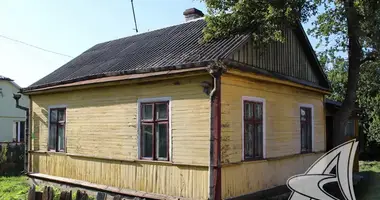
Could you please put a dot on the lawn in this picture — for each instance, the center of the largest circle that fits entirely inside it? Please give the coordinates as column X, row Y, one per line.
column 16, row 188
column 369, row 166
column 13, row 188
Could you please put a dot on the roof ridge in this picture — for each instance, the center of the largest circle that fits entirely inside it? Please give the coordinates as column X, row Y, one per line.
column 150, row 31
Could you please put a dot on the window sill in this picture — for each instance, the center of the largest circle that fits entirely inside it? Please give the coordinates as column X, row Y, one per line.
column 255, row 160
column 56, row 152
column 155, row 161
column 272, row 158
column 311, row 152
column 295, row 155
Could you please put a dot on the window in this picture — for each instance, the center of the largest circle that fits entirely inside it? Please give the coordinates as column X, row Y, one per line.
column 306, row 129
column 253, row 130
column 18, row 131
column 57, row 124
column 154, row 130
column 350, row 128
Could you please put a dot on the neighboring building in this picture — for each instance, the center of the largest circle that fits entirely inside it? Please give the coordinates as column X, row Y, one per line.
column 12, row 119
column 161, row 114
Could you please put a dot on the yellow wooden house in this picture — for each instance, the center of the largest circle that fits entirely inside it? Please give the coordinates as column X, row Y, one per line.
column 162, row 115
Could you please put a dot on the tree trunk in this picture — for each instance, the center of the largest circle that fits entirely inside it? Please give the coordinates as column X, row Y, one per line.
column 354, row 57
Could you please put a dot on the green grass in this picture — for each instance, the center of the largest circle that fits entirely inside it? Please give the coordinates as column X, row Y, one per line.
column 371, row 166
column 13, row 188
column 16, row 188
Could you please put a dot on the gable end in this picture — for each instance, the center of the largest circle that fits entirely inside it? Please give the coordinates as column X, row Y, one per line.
column 292, row 58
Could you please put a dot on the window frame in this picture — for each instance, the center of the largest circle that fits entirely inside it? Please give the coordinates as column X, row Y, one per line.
column 17, row 131
column 263, row 102
column 57, row 107
column 167, row 121
column 311, row 106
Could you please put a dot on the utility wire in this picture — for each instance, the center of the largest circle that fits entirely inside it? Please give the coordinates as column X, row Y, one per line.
column 30, row 45
column 134, row 16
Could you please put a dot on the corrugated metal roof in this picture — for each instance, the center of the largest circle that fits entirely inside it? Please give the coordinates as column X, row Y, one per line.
column 152, row 51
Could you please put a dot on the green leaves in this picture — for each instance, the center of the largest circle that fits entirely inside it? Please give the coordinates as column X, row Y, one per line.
column 264, row 19
column 338, row 77
column 369, row 100
column 368, row 94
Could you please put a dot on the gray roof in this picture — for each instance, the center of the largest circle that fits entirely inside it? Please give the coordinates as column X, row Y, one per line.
column 333, row 102
column 162, row 49
column 5, row 78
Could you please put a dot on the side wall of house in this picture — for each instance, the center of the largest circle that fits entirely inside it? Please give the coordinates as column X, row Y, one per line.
column 281, row 133
column 102, row 137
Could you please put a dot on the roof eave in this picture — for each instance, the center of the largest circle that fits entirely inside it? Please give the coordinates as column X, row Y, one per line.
column 116, row 78
column 256, row 70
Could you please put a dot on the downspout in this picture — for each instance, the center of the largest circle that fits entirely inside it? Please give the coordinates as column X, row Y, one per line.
column 26, row 138
column 215, row 71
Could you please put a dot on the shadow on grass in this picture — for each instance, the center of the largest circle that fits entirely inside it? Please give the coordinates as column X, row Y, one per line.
column 369, row 187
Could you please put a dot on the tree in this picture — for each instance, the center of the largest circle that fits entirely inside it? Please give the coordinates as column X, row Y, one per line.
column 346, row 27
column 368, row 94
column 369, row 100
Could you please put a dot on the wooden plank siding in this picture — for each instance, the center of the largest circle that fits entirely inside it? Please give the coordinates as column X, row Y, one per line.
column 152, row 177
column 282, row 117
column 286, row 58
column 102, row 122
column 253, row 176
column 282, row 133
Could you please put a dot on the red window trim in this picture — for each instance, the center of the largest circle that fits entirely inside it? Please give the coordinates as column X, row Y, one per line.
column 57, row 123
column 254, row 121
column 154, row 122
column 308, row 124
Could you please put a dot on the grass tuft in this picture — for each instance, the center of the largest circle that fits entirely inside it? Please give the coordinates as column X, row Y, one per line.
column 373, row 166
column 13, row 188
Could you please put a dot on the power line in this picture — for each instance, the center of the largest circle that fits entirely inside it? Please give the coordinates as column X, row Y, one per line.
column 30, row 45
column 134, row 16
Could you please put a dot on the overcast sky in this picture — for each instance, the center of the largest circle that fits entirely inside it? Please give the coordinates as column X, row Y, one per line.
column 70, row 27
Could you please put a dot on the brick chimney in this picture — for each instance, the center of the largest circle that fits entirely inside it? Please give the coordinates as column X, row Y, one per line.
column 192, row 13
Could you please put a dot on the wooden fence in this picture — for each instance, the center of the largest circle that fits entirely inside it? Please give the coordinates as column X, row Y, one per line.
column 11, row 159
column 48, row 194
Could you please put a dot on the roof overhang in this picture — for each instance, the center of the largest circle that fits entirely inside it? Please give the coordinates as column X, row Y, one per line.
column 116, row 80
column 282, row 79
column 111, row 79
column 333, row 106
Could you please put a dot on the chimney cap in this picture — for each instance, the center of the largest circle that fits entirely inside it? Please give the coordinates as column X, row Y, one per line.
column 193, row 11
